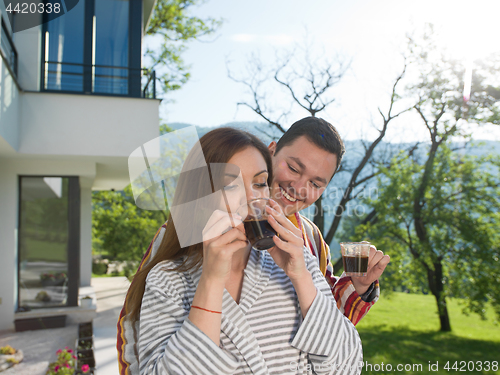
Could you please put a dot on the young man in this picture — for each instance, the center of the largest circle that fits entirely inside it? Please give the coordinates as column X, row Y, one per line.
column 304, row 161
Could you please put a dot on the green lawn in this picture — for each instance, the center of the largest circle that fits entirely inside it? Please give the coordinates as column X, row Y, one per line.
column 403, row 329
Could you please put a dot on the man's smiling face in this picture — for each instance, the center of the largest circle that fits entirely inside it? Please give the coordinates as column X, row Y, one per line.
column 302, row 170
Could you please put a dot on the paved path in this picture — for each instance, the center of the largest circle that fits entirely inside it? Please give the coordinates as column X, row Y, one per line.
column 110, row 293
column 39, row 347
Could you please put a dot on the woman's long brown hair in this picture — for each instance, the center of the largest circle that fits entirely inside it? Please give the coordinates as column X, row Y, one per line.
column 218, row 146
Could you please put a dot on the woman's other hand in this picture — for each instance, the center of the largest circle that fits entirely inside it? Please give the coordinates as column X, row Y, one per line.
column 288, row 253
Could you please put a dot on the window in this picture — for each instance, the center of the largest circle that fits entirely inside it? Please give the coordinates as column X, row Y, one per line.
column 63, row 63
column 48, row 242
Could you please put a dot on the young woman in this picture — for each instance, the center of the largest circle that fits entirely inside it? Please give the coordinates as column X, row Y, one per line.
column 222, row 307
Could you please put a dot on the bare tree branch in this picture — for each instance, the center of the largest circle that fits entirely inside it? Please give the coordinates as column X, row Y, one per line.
column 259, row 112
column 367, row 156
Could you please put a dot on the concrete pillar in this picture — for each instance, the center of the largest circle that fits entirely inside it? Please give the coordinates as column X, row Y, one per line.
column 8, row 244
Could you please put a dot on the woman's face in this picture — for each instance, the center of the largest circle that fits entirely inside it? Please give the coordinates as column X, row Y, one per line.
column 251, row 182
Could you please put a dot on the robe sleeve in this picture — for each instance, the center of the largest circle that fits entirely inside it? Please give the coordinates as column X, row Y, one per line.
column 326, row 335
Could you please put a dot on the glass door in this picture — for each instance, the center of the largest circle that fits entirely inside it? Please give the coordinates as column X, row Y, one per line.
column 45, row 237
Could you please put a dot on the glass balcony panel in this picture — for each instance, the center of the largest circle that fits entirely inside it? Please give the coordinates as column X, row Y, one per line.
column 64, row 51
column 111, row 46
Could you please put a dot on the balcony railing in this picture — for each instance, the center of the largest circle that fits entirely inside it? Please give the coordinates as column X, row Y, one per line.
column 99, row 79
column 8, row 49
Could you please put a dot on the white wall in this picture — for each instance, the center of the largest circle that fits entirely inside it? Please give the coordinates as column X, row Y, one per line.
column 29, row 46
column 59, row 124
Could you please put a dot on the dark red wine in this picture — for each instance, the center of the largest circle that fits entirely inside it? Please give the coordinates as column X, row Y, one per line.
column 355, row 264
column 260, row 233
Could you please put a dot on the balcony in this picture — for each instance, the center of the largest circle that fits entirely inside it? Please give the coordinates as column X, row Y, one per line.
column 57, row 123
column 68, row 77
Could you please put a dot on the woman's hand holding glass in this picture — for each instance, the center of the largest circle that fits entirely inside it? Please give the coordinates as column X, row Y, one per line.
column 221, row 239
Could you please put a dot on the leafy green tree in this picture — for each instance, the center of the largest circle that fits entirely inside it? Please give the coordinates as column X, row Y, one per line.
column 461, row 217
column 443, row 206
column 120, row 230
column 175, row 26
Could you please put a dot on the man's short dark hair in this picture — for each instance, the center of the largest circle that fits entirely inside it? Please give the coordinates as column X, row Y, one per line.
column 318, row 131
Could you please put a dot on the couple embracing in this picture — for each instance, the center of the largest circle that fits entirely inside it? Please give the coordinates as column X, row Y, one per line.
column 222, row 307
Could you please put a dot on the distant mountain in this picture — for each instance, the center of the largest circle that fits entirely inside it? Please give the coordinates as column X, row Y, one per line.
column 267, row 134
column 355, row 150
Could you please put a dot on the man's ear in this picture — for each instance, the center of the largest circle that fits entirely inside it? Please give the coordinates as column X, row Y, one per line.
column 272, row 148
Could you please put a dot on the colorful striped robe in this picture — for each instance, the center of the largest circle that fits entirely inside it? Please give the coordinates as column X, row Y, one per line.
column 263, row 334
column 349, row 302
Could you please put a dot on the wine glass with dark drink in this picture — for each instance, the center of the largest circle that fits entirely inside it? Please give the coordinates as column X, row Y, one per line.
column 258, row 230
column 355, row 257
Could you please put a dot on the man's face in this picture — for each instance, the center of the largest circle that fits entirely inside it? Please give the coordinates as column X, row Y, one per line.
column 301, row 171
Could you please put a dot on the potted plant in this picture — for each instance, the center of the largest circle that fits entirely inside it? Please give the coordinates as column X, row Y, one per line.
column 85, row 363
column 86, row 302
column 85, row 343
column 85, row 360
column 86, row 356
column 85, row 330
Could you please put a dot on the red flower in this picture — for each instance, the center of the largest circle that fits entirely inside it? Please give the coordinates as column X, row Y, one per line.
column 85, row 368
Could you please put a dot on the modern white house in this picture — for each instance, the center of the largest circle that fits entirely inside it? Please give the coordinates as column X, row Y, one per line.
column 74, row 104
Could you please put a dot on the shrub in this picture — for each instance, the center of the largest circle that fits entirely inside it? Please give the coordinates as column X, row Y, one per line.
column 99, row 268
column 7, row 350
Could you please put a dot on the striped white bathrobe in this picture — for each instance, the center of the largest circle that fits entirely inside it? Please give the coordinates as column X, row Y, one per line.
column 263, row 334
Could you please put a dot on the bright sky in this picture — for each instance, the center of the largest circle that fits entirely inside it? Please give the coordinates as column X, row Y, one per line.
column 371, row 33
